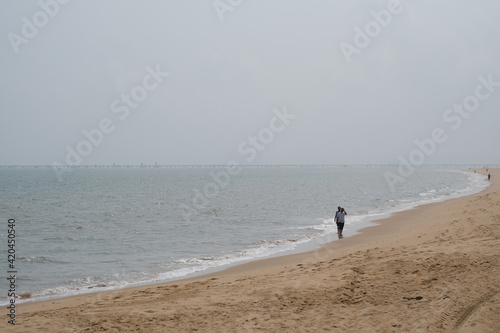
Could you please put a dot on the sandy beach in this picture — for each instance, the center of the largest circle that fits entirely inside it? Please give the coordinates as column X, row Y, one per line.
column 430, row 269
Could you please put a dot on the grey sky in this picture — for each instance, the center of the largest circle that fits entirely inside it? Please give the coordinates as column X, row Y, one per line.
column 227, row 76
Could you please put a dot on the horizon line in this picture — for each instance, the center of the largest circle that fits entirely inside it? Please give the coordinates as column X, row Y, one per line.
column 86, row 166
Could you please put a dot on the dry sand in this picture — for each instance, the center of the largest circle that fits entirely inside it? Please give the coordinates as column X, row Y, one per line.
column 445, row 253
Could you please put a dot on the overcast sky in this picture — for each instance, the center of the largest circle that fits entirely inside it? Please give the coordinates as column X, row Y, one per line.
column 256, row 81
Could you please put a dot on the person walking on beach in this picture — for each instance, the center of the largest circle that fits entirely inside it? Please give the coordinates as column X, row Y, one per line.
column 335, row 218
column 337, row 213
column 340, row 219
column 489, row 176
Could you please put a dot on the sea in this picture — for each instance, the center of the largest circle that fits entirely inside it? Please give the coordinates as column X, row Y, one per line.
column 105, row 228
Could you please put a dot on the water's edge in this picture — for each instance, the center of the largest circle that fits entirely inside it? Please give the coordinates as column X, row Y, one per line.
column 477, row 183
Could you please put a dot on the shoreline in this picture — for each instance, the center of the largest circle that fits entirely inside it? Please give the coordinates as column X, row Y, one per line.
column 311, row 245
column 395, row 230
column 375, row 229
column 319, row 244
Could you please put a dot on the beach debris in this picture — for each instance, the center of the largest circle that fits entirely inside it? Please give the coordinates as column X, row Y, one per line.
column 25, row 295
column 418, row 298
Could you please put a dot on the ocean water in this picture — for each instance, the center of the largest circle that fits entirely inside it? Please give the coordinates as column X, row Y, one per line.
column 109, row 228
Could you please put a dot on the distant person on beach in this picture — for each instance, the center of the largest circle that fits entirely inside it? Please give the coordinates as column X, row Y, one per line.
column 489, row 176
column 340, row 219
column 337, row 213
column 335, row 218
